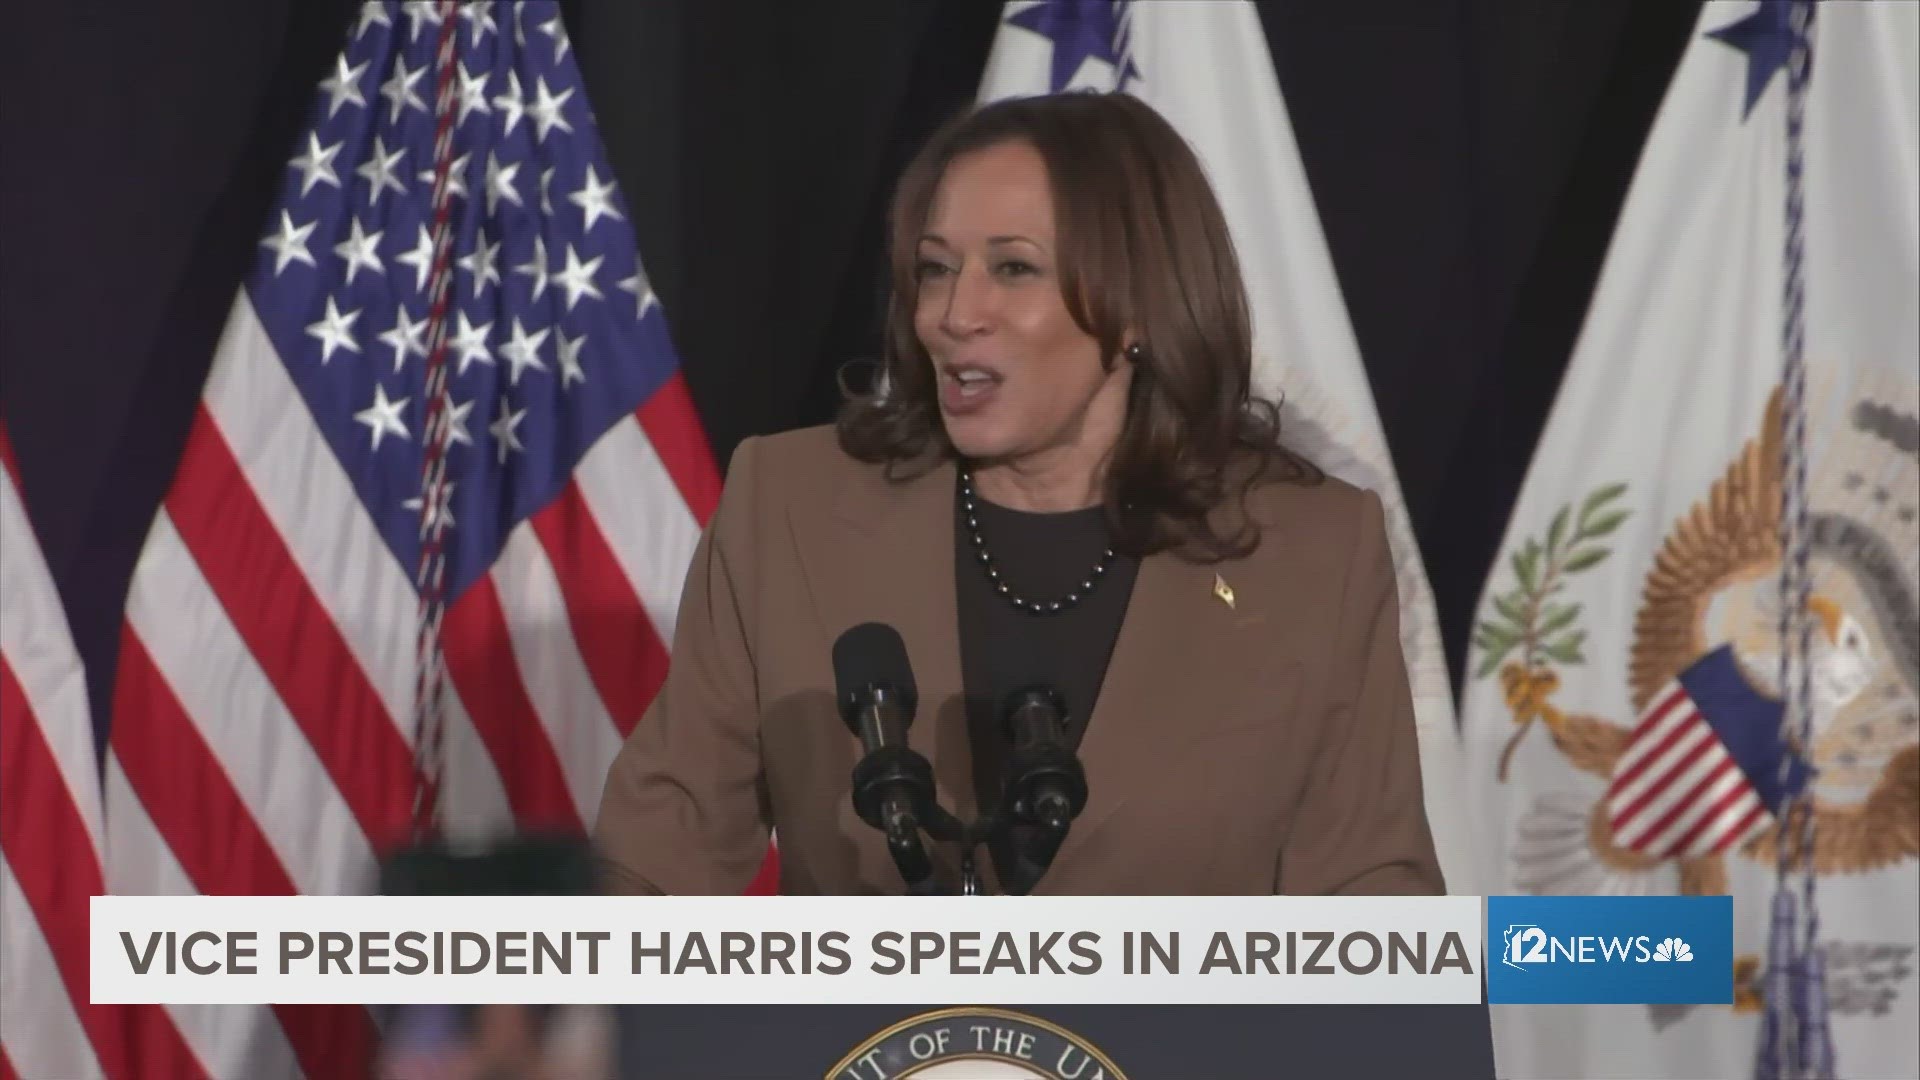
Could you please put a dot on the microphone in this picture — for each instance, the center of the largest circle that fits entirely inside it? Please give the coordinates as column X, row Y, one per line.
column 892, row 784
column 1046, row 783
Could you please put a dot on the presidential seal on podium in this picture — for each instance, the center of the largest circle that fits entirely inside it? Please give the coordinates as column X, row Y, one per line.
column 975, row 1044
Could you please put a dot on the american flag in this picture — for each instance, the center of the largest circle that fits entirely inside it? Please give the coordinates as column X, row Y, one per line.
column 422, row 555
column 1701, row 770
column 51, row 830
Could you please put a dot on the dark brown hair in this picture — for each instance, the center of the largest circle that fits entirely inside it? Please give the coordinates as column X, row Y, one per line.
column 1144, row 248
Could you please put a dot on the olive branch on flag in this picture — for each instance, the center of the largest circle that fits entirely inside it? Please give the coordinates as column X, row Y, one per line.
column 1527, row 618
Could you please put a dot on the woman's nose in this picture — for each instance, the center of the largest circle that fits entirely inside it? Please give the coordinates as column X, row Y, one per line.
column 970, row 303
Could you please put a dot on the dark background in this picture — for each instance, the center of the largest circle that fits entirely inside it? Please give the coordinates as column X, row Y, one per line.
column 1220, row 1042
column 1468, row 158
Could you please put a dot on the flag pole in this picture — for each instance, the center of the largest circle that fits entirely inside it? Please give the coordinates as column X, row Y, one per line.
column 1796, row 1038
column 430, row 572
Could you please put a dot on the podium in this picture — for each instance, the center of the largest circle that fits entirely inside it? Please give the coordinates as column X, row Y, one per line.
column 1142, row 1042
column 1038, row 1042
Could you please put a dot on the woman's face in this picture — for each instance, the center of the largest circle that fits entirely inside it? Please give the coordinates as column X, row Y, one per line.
column 1017, row 376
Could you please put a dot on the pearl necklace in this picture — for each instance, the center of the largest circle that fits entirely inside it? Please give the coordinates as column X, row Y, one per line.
column 1031, row 607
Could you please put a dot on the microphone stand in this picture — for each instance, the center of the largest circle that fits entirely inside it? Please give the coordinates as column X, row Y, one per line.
column 969, row 835
column 893, row 792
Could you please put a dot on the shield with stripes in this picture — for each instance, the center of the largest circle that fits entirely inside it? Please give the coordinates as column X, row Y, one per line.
column 1704, row 768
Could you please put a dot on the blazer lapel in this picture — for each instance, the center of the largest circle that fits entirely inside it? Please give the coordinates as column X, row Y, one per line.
column 1190, row 661
column 884, row 553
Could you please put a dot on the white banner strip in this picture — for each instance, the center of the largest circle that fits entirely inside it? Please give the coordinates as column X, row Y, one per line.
column 983, row 950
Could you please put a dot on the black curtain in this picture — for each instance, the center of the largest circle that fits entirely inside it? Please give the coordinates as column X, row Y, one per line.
column 1468, row 158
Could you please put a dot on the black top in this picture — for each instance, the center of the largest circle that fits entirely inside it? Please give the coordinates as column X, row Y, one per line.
column 1043, row 557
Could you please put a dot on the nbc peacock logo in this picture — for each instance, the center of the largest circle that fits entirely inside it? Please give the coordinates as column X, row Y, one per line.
column 1673, row 950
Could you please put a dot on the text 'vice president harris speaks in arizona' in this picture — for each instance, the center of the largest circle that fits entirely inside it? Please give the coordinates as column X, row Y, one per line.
column 1058, row 482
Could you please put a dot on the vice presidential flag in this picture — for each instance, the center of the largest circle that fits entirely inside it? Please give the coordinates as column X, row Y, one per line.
column 422, row 556
column 1625, row 698
column 1204, row 66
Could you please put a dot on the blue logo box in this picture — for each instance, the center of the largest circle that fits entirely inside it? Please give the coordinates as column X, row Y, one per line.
column 1609, row 950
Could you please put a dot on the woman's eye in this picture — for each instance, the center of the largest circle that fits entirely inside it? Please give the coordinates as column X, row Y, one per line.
column 929, row 267
column 1017, row 268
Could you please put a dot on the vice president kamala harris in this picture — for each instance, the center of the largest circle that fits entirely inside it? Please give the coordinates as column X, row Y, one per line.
column 1062, row 471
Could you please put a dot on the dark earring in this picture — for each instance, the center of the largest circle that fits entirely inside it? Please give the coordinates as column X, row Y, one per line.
column 1135, row 353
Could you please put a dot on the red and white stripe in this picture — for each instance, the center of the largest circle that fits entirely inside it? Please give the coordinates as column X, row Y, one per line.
column 50, row 834
column 1676, row 792
column 52, row 839
column 261, row 725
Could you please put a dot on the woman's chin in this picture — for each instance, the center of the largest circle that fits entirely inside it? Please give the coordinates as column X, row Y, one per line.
column 977, row 440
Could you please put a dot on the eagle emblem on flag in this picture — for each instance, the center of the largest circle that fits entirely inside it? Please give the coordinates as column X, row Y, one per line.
column 1700, row 775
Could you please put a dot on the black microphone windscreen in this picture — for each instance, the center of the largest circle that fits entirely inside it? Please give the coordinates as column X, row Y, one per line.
column 1035, row 712
column 871, row 654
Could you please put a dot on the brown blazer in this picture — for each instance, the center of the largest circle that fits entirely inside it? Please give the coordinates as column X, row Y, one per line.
column 1262, row 746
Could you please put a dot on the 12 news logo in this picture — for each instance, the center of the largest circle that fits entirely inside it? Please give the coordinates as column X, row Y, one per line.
column 1609, row 950
column 1526, row 943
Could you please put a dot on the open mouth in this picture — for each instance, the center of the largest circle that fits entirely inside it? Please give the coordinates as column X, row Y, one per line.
column 970, row 382
column 967, row 388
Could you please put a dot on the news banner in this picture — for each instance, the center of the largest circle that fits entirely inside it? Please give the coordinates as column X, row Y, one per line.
column 1268, row 950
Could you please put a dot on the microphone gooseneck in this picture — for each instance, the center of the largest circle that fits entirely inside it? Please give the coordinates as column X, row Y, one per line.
column 892, row 783
column 1045, row 782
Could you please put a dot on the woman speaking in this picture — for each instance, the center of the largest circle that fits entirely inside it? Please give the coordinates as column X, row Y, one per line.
column 1061, row 478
